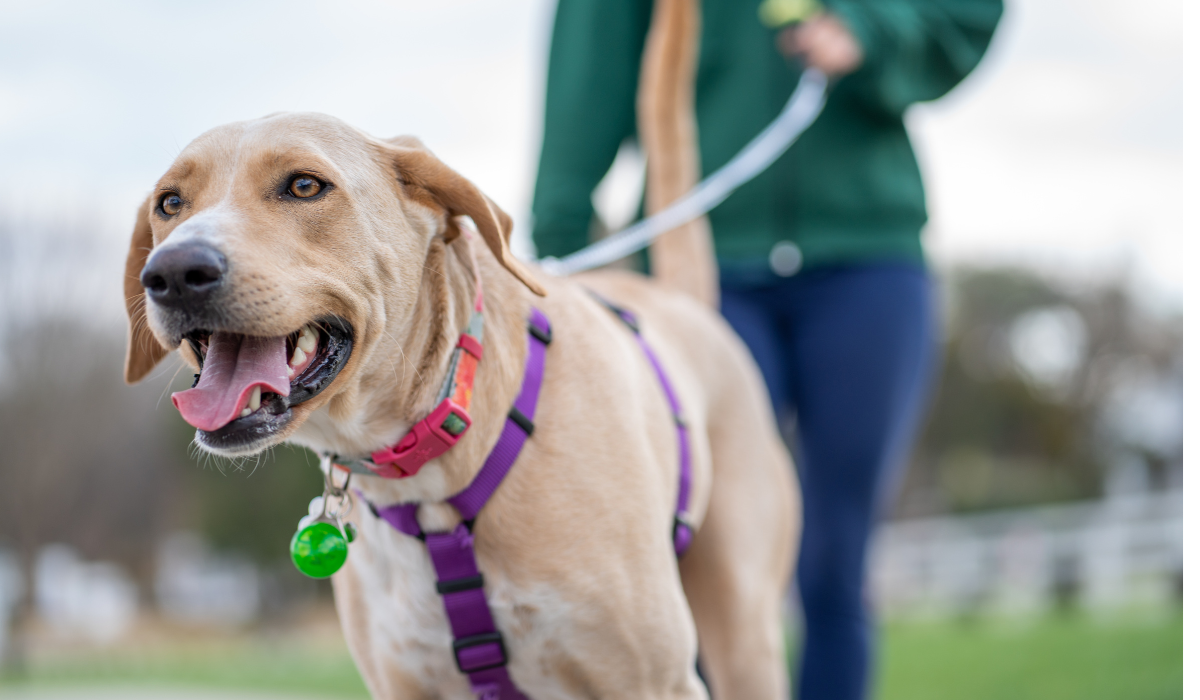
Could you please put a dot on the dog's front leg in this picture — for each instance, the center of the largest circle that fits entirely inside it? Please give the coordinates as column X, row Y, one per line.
column 392, row 619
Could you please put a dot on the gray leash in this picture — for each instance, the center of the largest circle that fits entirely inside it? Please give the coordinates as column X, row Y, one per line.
column 798, row 114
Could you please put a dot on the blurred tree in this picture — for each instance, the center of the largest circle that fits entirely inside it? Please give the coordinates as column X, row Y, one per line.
column 252, row 507
column 1031, row 372
column 86, row 460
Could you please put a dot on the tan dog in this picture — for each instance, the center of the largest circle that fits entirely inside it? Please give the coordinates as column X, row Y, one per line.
column 312, row 222
column 329, row 269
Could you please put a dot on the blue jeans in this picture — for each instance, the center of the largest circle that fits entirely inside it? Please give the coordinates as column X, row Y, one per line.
column 849, row 351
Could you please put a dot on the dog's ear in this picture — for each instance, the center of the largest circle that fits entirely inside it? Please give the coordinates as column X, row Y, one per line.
column 143, row 350
column 419, row 168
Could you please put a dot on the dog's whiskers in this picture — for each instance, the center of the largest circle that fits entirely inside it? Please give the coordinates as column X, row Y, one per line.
column 168, row 386
column 404, row 357
column 437, row 271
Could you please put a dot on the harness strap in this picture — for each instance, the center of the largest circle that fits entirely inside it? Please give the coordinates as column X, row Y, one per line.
column 478, row 646
column 471, row 500
column 681, row 531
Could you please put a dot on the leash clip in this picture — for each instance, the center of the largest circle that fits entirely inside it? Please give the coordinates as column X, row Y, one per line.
column 343, row 504
column 321, row 543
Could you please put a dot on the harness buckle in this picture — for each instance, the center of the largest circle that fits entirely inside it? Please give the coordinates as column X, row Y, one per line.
column 458, row 585
column 682, row 535
column 483, row 659
column 428, row 439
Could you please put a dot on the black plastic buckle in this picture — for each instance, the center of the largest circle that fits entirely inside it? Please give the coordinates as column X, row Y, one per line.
column 691, row 533
column 479, row 640
column 622, row 315
column 521, row 420
column 543, row 335
column 458, row 585
column 680, row 522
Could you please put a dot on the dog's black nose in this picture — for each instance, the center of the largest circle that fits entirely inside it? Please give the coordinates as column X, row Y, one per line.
column 183, row 276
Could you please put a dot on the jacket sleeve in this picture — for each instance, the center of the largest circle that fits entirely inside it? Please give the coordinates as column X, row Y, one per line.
column 591, row 93
column 915, row 50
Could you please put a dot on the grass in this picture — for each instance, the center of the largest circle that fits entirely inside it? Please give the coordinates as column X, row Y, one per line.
column 1058, row 658
column 290, row 667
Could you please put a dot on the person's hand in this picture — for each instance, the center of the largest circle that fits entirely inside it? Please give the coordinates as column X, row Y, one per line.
column 824, row 43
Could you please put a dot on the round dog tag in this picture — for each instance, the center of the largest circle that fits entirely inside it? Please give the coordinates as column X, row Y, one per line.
column 319, row 549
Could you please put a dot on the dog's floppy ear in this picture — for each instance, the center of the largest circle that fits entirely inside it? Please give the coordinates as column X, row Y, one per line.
column 143, row 350
column 420, row 168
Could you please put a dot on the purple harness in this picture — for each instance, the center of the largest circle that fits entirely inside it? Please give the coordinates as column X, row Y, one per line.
column 478, row 646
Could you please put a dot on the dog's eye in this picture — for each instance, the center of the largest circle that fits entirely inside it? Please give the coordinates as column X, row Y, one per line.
column 304, row 186
column 170, row 204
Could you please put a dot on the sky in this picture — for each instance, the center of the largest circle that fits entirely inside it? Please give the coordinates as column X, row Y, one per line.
column 1062, row 151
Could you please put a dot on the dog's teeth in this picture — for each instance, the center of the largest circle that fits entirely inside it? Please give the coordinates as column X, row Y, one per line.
column 254, row 402
column 307, row 340
column 306, row 344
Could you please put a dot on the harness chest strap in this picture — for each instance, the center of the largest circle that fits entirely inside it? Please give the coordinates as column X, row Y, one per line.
column 479, row 649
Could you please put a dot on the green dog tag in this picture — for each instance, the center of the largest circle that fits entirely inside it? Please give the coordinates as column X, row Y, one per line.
column 319, row 549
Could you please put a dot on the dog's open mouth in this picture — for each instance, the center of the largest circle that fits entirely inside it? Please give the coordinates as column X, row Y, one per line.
column 248, row 384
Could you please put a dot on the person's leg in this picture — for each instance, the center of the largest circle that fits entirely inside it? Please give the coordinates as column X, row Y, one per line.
column 861, row 355
column 747, row 310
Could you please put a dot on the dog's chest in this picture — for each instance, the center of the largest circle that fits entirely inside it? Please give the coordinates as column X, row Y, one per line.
column 408, row 631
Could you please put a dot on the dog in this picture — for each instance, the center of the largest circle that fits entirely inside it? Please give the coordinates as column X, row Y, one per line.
column 318, row 278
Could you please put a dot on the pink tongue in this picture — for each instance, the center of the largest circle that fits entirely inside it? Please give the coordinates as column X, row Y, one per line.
column 235, row 364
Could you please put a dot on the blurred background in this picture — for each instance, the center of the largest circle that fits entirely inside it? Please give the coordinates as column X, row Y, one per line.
column 1035, row 548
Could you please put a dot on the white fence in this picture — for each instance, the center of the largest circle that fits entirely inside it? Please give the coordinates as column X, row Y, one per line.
column 99, row 601
column 1117, row 553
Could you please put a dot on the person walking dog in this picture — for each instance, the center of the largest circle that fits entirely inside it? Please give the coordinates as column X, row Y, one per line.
column 821, row 266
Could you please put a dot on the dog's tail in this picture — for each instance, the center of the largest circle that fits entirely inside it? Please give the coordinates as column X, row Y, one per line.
column 666, row 111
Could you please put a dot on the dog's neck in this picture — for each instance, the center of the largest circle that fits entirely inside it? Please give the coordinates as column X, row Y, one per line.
column 408, row 365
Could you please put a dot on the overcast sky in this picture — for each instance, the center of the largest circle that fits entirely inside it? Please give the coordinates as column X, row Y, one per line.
column 1063, row 150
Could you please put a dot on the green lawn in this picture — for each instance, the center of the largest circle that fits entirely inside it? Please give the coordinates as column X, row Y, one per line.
column 290, row 667
column 1065, row 658
column 1054, row 659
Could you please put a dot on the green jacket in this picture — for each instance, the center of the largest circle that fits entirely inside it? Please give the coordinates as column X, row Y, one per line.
column 848, row 189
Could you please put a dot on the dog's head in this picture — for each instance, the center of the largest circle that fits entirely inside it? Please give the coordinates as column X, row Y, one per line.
column 272, row 253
